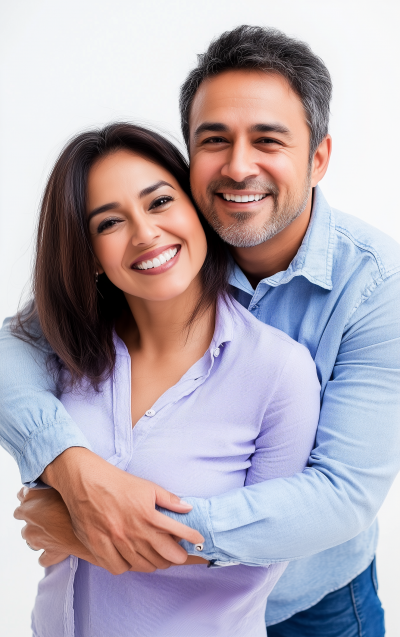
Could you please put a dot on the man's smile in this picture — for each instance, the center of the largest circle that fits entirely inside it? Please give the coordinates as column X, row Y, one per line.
column 242, row 198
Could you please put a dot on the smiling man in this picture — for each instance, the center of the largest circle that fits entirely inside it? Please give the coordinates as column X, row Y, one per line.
column 255, row 114
column 251, row 166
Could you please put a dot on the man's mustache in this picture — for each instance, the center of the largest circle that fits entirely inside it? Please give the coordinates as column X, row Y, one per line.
column 259, row 185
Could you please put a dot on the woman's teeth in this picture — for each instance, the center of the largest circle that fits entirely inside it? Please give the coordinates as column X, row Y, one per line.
column 160, row 260
column 243, row 198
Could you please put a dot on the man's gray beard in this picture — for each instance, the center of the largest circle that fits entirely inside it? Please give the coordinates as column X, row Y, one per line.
column 240, row 234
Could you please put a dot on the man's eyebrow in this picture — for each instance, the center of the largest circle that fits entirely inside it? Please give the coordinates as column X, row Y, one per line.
column 270, row 128
column 210, row 127
column 115, row 204
column 218, row 127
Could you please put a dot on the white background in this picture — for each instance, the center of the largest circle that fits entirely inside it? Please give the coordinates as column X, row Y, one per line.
column 66, row 65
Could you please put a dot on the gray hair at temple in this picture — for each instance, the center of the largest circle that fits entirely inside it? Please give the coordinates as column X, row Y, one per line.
column 270, row 50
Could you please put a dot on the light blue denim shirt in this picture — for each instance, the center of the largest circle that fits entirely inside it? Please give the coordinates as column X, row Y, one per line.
column 340, row 298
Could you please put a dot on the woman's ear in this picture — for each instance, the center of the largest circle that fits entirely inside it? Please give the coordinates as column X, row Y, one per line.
column 99, row 269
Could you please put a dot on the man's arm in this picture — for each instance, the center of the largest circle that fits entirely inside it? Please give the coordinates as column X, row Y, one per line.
column 34, row 426
column 354, row 462
column 113, row 513
column 49, row 528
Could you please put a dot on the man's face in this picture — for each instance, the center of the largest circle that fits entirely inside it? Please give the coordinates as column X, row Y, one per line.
column 249, row 155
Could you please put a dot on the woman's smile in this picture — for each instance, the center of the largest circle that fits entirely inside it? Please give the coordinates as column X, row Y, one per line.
column 141, row 222
column 157, row 261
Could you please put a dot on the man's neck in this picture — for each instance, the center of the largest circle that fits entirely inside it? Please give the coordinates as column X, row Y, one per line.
column 276, row 254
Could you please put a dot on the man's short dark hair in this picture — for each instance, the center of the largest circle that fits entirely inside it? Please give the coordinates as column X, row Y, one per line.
column 270, row 50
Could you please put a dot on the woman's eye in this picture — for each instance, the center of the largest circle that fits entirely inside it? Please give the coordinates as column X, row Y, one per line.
column 107, row 224
column 160, row 201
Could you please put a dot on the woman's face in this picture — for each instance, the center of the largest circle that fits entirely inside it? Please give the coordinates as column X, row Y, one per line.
column 145, row 232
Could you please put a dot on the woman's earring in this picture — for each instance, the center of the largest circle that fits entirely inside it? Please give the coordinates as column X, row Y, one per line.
column 96, row 277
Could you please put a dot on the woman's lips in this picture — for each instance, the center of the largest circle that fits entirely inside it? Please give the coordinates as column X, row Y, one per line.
column 164, row 256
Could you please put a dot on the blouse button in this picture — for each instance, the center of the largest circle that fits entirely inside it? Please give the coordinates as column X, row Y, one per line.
column 199, row 547
column 150, row 413
column 217, row 352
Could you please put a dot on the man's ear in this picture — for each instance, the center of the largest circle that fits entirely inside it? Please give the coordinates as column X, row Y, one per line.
column 321, row 160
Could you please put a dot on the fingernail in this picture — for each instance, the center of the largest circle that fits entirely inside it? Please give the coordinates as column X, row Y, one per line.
column 185, row 504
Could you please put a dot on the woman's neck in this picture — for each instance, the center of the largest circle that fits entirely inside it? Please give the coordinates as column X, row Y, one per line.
column 159, row 329
column 161, row 347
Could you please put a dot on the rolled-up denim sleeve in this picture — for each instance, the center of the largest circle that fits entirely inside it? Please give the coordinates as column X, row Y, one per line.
column 34, row 425
column 351, row 468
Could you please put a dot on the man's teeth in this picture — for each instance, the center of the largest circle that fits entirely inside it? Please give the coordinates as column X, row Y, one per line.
column 243, row 198
column 160, row 260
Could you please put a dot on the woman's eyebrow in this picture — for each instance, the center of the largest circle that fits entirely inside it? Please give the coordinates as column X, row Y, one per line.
column 146, row 191
column 153, row 187
column 105, row 208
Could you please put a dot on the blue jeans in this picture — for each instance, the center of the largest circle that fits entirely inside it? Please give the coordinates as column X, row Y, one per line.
column 352, row 611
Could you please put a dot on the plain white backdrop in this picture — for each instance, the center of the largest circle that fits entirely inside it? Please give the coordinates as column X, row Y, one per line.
column 65, row 66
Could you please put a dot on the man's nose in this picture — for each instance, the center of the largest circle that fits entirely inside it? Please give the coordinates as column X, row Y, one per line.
column 240, row 165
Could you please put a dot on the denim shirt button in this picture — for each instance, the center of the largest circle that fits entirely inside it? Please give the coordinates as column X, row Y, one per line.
column 199, row 547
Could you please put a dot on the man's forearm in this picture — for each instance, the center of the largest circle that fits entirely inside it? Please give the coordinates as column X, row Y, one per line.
column 34, row 425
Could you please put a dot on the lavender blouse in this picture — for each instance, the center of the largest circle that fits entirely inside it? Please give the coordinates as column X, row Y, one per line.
column 247, row 411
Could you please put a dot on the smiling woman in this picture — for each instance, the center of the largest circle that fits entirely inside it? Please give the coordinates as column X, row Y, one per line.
column 169, row 380
column 83, row 211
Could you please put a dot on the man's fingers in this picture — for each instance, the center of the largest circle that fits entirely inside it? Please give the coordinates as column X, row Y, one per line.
column 170, row 501
column 107, row 556
column 49, row 558
column 18, row 514
column 22, row 493
column 170, row 550
column 167, row 525
column 32, row 537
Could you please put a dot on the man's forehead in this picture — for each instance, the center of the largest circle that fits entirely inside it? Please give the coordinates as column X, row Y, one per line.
column 245, row 94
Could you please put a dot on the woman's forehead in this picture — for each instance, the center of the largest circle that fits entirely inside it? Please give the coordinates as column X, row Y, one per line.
column 125, row 171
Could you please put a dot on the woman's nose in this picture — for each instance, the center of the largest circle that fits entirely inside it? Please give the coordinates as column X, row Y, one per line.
column 144, row 231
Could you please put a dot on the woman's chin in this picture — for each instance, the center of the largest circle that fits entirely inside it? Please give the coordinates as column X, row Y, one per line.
column 161, row 293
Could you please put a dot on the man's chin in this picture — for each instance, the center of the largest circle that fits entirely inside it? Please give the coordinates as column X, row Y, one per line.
column 243, row 235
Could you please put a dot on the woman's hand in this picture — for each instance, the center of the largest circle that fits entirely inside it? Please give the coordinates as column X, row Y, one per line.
column 48, row 526
column 113, row 514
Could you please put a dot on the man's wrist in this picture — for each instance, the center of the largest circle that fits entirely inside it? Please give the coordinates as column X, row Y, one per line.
column 60, row 473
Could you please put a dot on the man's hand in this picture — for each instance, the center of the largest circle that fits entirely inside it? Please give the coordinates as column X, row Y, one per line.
column 113, row 514
column 48, row 526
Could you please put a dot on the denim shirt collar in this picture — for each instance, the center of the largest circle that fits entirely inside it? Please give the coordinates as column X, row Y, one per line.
column 314, row 258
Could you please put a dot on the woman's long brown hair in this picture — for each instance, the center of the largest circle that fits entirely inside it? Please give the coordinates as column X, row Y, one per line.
column 76, row 315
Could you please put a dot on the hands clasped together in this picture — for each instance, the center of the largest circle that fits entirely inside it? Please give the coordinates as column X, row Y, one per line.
column 105, row 516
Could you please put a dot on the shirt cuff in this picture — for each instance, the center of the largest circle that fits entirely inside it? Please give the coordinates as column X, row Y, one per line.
column 198, row 518
column 44, row 445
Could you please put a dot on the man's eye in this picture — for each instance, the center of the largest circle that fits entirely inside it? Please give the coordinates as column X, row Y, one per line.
column 107, row 224
column 267, row 140
column 215, row 140
column 160, row 201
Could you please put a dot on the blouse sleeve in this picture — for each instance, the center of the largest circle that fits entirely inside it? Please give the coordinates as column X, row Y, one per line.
column 290, row 422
